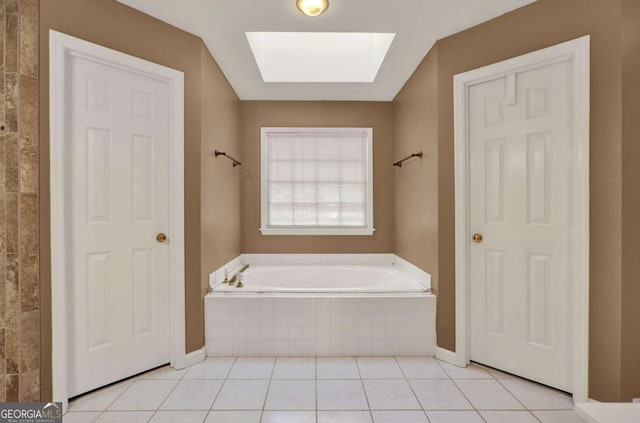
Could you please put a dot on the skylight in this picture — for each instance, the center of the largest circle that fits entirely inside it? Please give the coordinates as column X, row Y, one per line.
column 319, row 56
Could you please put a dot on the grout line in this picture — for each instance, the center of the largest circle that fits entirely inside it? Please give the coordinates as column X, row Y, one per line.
column 500, row 380
column 315, row 362
column 167, row 396
column 512, row 394
column 534, row 416
column 364, row 389
column 411, row 387
column 235, row 359
column 460, row 390
column 264, row 404
column 114, row 400
column 485, row 368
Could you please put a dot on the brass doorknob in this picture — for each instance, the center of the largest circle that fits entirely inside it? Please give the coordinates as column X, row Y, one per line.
column 161, row 237
column 477, row 238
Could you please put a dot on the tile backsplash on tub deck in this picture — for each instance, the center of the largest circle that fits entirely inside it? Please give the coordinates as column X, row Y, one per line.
column 320, row 326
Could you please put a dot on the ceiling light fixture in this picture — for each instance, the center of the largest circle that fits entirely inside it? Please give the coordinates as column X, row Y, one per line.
column 312, row 7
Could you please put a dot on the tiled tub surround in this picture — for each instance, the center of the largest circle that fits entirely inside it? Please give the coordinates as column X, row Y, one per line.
column 322, row 323
column 289, row 325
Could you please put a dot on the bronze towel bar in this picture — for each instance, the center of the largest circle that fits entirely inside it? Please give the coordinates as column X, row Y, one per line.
column 399, row 163
column 222, row 153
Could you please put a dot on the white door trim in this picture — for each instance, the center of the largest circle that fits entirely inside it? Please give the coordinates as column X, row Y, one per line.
column 61, row 48
column 578, row 52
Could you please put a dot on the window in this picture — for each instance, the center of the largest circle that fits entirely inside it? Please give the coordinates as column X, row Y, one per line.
column 317, row 181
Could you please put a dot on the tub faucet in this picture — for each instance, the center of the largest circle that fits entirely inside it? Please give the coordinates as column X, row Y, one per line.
column 240, row 275
column 234, row 279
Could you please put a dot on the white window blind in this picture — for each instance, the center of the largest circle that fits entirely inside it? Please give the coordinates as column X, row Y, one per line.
column 317, row 181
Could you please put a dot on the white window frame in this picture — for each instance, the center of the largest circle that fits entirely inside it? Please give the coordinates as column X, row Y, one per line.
column 266, row 230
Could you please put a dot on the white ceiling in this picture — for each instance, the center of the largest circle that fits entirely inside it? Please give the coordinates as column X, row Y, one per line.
column 417, row 23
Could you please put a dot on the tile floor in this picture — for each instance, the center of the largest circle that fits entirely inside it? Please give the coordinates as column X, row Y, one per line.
column 324, row 390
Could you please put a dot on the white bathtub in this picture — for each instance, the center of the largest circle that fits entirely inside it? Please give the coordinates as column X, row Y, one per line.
column 320, row 305
column 325, row 278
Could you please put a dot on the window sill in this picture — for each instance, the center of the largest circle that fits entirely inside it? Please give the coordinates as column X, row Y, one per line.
column 318, row 232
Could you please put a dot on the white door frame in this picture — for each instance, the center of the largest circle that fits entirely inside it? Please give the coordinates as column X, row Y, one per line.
column 62, row 47
column 577, row 51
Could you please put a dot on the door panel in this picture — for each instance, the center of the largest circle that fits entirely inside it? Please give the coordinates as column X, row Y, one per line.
column 519, row 202
column 120, row 163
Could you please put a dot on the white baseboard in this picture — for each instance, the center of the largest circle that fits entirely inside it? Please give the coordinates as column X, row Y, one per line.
column 195, row 357
column 609, row 412
column 446, row 356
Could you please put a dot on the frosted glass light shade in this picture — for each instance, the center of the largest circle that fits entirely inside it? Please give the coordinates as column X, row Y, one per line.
column 312, row 7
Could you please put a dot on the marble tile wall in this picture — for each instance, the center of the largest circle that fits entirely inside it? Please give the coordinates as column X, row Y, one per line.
column 19, row 261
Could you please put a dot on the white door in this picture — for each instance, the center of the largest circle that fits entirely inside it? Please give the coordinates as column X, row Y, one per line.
column 520, row 135
column 120, row 202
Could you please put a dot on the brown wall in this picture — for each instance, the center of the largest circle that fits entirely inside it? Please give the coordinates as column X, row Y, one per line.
column 630, row 200
column 220, row 183
column 415, row 128
column 113, row 25
column 214, row 118
column 539, row 25
column 379, row 116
